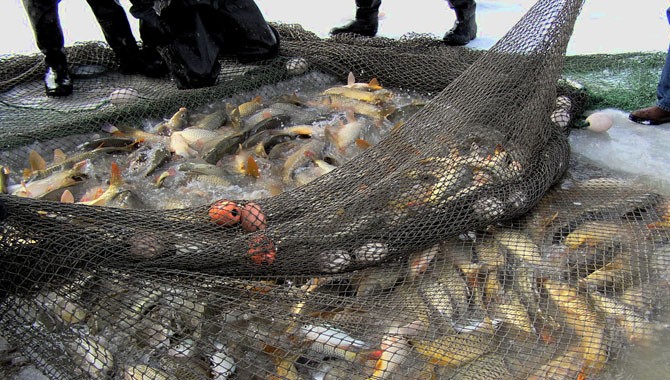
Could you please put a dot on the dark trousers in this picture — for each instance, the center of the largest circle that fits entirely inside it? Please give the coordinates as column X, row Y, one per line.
column 43, row 15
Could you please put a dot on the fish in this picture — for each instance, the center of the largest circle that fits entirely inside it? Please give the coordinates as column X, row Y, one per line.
column 395, row 352
column 91, row 357
column 41, row 188
column 508, row 306
column 344, row 134
column 596, row 233
column 623, row 271
column 374, row 97
column 216, row 148
column 180, row 147
column 177, row 122
column 112, row 191
column 566, row 366
column 211, row 180
column 420, row 261
column 490, row 366
column 268, row 138
column 195, row 137
column 331, row 341
column 456, row 350
column 372, row 85
column 195, row 167
column 342, row 104
column 297, row 114
column 145, row 372
column 300, row 157
column 146, row 159
column 580, row 316
column 404, row 112
column 638, row 330
column 247, row 108
column 40, row 170
column 223, row 365
column 520, row 246
column 212, row 121
column 489, row 252
column 134, row 133
column 107, row 141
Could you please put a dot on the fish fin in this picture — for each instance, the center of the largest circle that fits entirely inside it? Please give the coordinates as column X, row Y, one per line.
column 59, row 156
column 258, row 99
column 80, row 166
column 374, row 84
column 36, row 161
column 351, row 79
column 161, row 178
column 259, row 150
column 251, row 168
column 67, row 197
column 115, row 178
column 111, row 129
column 91, row 194
column 350, row 116
column 302, row 130
column 236, row 118
column 363, row 144
column 240, row 149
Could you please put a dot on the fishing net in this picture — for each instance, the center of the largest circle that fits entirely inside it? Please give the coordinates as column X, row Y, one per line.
column 447, row 243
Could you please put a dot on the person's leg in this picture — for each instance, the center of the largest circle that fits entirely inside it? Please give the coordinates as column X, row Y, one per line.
column 116, row 29
column 659, row 113
column 153, row 33
column 43, row 15
column 465, row 27
column 366, row 22
column 240, row 29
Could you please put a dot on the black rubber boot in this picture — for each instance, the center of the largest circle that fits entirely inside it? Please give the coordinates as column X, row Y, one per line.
column 465, row 27
column 57, row 81
column 366, row 22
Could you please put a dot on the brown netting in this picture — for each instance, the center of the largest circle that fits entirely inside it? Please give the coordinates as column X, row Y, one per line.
column 447, row 244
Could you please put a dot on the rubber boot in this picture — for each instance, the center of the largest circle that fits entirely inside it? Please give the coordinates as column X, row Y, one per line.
column 366, row 22
column 57, row 80
column 465, row 26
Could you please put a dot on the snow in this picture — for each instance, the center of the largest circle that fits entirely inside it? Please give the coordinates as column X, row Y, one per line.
column 604, row 26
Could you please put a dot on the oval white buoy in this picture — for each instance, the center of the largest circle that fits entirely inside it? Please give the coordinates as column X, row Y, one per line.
column 599, row 122
column 296, row 66
column 123, row 96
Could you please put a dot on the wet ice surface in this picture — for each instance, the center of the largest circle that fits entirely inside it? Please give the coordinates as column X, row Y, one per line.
column 638, row 151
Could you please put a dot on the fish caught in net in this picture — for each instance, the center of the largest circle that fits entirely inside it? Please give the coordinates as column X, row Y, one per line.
column 356, row 208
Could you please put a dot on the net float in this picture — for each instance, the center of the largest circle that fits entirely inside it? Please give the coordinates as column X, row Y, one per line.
column 599, row 122
column 252, row 217
column 262, row 250
column 224, row 213
column 124, row 96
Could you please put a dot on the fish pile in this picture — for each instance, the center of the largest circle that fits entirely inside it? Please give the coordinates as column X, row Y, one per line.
column 555, row 295
column 248, row 150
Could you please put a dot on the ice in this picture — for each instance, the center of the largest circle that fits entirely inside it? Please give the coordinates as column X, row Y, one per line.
column 631, row 149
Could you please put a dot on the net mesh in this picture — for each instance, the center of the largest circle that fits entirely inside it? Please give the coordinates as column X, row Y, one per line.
column 426, row 232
